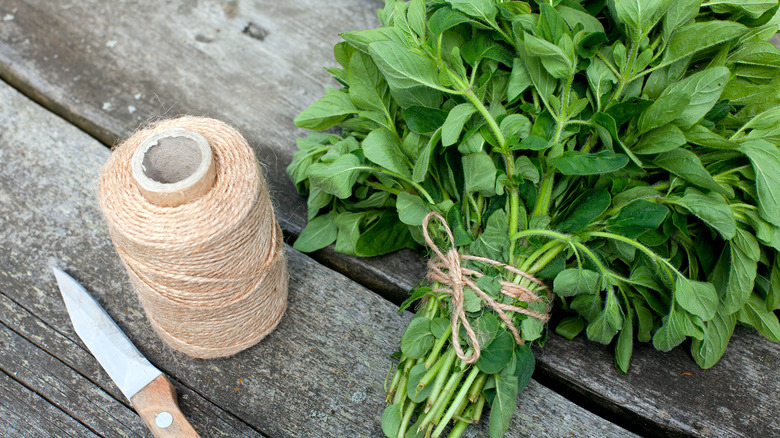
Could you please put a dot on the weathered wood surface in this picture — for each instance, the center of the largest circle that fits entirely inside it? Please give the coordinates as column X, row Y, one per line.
column 17, row 403
column 319, row 374
column 107, row 66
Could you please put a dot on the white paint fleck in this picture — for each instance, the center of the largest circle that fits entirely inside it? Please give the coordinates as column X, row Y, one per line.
column 131, row 109
column 358, row 397
column 137, row 96
column 8, row 17
column 107, row 106
column 111, row 44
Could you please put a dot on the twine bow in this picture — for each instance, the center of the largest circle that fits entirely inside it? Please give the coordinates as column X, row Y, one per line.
column 447, row 270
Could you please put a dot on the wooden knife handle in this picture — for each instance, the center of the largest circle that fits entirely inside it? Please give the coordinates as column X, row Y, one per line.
column 157, row 406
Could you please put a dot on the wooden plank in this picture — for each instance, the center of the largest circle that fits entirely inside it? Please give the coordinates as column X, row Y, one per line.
column 108, row 67
column 43, row 359
column 25, row 413
column 70, row 391
column 739, row 396
column 320, row 373
column 66, row 58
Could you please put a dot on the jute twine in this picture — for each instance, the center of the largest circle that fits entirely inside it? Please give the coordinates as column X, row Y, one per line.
column 446, row 269
column 210, row 273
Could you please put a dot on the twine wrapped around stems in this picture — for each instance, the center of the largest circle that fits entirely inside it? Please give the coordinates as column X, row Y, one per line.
column 446, row 269
column 208, row 265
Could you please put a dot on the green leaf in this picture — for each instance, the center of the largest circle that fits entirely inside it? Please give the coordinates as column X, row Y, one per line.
column 319, row 233
column 626, row 110
column 423, row 120
column 493, row 242
column 544, row 83
column 555, row 60
column 579, row 163
column 415, row 375
column 532, row 142
column 411, row 209
column 640, row 15
column 423, row 162
column 717, row 333
column 384, row 148
column 367, row 88
column 453, row 125
column 601, row 79
column 687, row 165
column 575, row 16
column 392, row 417
column 600, row 330
column 637, row 217
column 348, row 225
column 479, row 173
column 515, row 125
column 504, row 405
column 702, row 136
column 645, row 322
column 658, row 140
column 754, row 8
column 679, row 14
column 496, row 355
column 766, row 162
column 570, row 327
column 417, row 340
column 662, row 111
column 773, row 294
column 486, row 327
column 671, row 333
column 386, row 235
column 525, row 168
column 742, row 271
column 519, row 80
column 713, row 209
column 587, row 207
column 697, row 297
column 703, row 90
column 688, row 40
column 338, row 177
column 588, row 306
column 327, row 112
column 484, row 10
column 624, row 346
column 439, row 326
column 754, row 314
column 575, row 281
column 416, row 17
column 445, row 18
column 402, row 68
column 360, row 39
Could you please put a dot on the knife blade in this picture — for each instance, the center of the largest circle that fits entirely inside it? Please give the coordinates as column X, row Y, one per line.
column 148, row 390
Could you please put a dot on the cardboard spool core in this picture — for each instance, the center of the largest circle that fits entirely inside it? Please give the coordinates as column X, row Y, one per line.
column 173, row 167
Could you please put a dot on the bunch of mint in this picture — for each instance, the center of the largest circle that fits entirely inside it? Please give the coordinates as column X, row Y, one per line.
column 624, row 151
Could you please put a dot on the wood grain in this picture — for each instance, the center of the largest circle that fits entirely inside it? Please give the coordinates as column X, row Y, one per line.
column 41, row 358
column 158, row 399
column 319, row 374
column 25, row 413
column 108, row 66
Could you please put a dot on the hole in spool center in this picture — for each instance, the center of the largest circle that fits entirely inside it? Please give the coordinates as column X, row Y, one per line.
column 171, row 160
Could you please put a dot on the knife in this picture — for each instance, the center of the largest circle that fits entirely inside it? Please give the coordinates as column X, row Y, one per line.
column 149, row 391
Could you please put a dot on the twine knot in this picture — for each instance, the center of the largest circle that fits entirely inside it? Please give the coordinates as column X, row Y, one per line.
column 447, row 270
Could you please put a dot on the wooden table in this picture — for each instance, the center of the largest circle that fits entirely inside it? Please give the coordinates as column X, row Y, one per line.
column 81, row 74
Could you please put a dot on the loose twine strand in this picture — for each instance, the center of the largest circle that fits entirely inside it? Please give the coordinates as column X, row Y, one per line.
column 210, row 273
column 446, row 269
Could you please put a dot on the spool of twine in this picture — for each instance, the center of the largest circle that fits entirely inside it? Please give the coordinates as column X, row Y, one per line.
column 191, row 218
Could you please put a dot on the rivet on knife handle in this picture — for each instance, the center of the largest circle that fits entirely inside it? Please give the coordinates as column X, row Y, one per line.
column 157, row 406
